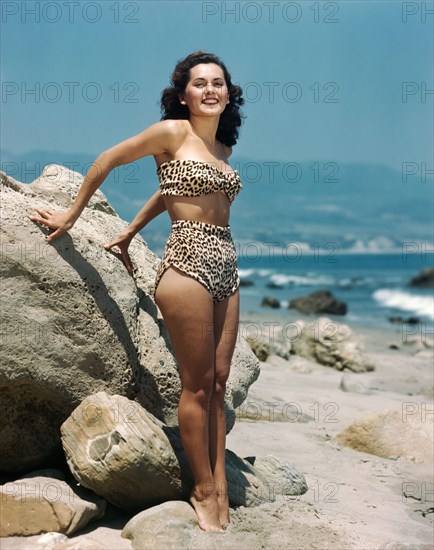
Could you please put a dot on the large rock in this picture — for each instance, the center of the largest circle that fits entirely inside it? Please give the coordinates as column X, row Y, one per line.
column 41, row 503
column 74, row 322
column 321, row 301
column 119, row 450
column 331, row 344
column 424, row 279
column 407, row 433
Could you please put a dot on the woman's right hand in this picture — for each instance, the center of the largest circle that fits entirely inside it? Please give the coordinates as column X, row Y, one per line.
column 60, row 221
column 123, row 241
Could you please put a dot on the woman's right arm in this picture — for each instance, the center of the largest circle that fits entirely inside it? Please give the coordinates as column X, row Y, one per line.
column 161, row 137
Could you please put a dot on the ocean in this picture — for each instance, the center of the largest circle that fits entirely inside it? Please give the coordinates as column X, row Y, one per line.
column 374, row 286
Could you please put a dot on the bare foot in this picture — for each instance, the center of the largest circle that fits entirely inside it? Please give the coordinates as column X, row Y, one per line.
column 207, row 509
column 223, row 510
column 223, row 503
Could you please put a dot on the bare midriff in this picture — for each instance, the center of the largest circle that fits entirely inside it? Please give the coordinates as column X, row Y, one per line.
column 213, row 208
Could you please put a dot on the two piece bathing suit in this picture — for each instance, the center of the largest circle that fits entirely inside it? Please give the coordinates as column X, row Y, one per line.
column 203, row 251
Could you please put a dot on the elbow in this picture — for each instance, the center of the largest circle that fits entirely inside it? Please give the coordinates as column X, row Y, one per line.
column 106, row 161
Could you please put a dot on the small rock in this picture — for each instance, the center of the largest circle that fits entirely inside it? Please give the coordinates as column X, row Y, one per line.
column 268, row 301
column 280, row 476
column 425, row 279
column 169, row 525
column 409, row 320
column 349, row 383
column 40, row 504
column 272, row 284
column 321, row 301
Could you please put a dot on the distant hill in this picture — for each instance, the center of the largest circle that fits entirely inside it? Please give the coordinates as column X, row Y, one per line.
column 360, row 207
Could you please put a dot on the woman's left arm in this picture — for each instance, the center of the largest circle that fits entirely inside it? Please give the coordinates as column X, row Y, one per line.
column 153, row 208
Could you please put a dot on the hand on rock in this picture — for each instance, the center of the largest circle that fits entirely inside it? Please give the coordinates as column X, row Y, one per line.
column 60, row 221
column 123, row 241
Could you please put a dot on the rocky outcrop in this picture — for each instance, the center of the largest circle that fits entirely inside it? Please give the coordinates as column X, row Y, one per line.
column 74, row 322
column 119, row 450
column 42, row 502
column 425, row 279
column 331, row 344
column 321, row 301
column 407, row 433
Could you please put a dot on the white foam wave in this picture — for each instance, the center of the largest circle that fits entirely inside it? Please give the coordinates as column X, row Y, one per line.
column 245, row 272
column 264, row 272
column 249, row 272
column 421, row 305
column 281, row 279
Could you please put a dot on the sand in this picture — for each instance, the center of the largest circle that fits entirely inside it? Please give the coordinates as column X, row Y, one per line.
column 355, row 500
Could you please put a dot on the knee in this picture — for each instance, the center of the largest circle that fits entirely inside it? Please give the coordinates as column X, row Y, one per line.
column 200, row 392
column 220, row 380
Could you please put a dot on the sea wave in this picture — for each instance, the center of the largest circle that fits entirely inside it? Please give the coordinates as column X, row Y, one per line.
column 420, row 305
column 245, row 272
column 249, row 272
column 282, row 279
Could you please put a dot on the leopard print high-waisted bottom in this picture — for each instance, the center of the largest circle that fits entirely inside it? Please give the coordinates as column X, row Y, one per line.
column 205, row 252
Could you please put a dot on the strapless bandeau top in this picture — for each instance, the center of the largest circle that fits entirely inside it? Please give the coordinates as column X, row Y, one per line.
column 193, row 178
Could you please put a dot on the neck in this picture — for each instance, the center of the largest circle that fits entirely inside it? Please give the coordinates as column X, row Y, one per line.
column 206, row 129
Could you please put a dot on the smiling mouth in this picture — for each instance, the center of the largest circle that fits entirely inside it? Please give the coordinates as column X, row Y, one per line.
column 210, row 101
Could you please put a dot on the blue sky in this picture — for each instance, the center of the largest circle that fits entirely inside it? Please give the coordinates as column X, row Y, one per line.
column 356, row 53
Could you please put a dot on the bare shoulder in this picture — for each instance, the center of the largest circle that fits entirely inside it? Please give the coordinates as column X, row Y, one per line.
column 172, row 132
column 174, row 127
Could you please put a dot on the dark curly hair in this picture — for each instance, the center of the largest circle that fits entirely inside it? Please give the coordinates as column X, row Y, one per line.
column 171, row 108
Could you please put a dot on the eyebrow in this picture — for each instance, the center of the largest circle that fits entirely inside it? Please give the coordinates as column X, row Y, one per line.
column 215, row 78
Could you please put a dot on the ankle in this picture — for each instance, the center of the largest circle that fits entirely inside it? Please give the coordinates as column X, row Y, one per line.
column 221, row 487
column 203, row 490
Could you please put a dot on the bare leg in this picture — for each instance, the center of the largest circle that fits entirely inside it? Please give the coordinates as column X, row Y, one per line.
column 187, row 310
column 226, row 318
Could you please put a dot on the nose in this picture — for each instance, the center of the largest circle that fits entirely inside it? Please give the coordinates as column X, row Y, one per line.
column 207, row 87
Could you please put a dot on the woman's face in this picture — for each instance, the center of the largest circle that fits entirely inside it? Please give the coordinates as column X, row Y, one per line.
column 206, row 93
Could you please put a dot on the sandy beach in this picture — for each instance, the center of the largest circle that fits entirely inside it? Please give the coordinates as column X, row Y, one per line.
column 356, row 495
column 356, row 500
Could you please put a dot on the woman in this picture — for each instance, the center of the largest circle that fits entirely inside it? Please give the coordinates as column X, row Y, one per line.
column 197, row 283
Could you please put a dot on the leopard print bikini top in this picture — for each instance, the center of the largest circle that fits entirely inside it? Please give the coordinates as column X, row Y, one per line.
column 194, row 178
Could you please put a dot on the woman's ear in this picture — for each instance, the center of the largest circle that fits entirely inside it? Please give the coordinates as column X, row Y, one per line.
column 181, row 100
